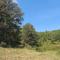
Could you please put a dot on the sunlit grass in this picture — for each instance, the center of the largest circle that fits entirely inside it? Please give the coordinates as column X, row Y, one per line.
column 25, row 54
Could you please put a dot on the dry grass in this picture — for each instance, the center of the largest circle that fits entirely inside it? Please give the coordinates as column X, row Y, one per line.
column 25, row 54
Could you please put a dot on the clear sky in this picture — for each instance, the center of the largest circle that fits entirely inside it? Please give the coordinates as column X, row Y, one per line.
column 42, row 14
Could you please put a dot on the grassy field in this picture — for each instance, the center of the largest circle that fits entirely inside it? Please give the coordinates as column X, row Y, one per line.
column 25, row 54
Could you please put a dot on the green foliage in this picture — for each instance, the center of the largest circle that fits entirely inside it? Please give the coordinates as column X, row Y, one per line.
column 10, row 22
column 29, row 35
column 12, row 35
column 49, row 40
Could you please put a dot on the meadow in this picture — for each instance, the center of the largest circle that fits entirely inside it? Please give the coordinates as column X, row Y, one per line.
column 27, row 54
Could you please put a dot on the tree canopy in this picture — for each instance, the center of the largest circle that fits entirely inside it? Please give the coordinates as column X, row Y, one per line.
column 10, row 22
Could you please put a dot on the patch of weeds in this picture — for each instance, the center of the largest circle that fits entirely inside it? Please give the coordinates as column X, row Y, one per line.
column 58, row 53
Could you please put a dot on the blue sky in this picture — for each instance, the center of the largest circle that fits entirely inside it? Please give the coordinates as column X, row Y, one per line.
column 42, row 14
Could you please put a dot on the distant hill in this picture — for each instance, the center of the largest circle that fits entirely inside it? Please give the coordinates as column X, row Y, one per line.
column 50, row 35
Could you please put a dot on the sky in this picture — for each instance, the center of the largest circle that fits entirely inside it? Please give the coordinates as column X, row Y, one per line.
column 42, row 14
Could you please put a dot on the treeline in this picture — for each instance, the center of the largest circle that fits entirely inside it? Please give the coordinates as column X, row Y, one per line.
column 31, row 37
column 13, row 35
column 52, row 36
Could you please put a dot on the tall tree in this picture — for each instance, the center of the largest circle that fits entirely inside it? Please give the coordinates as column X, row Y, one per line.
column 10, row 22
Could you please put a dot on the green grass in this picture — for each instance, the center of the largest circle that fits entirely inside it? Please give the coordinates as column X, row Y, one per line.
column 47, row 46
column 26, row 54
